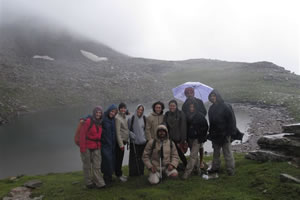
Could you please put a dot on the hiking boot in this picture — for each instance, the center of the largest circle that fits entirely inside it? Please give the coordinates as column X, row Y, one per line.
column 100, row 187
column 230, row 173
column 123, row 178
column 185, row 176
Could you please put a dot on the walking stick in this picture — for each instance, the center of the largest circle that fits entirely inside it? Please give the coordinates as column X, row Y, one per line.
column 136, row 158
column 160, row 161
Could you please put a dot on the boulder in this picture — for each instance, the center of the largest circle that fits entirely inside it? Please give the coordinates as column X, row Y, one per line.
column 283, row 142
column 33, row 184
column 289, row 178
column 292, row 128
column 264, row 155
column 19, row 193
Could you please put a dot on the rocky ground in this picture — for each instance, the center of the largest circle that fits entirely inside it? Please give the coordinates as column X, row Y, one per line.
column 265, row 120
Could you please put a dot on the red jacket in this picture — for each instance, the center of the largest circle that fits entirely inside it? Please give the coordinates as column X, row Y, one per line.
column 90, row 139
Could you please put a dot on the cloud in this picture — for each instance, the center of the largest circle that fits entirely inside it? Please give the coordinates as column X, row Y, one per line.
column 250, row 30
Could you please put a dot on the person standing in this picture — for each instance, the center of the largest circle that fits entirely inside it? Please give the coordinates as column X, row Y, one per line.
column 137, row 126
column 175, row 121
column 190, row 97
column 122, row 140
column 154, row 119
column 199, row 106
column 221, row 128
column 108, row 141
column 90, row 150
column 160, row 156
column 197, row 128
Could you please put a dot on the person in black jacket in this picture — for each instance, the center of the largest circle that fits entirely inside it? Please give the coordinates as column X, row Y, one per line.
column 197, row 128
column 221, row 121
column 175, row 121
column 199, row 107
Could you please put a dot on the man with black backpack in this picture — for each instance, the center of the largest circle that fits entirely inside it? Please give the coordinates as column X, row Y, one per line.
column 160, row 156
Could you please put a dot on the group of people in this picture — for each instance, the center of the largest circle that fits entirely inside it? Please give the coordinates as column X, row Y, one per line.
column 157, row 141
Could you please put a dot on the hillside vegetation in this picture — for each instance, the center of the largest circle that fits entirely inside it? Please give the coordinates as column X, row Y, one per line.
column 261, row 83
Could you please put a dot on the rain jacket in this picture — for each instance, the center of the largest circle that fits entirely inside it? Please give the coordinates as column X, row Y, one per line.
column 137, row 134
column 197, row 126
column 151, row 157
column 221, row 120
column 176, row 124
column 199, row 105
column 108, row 141
column 153, row 120
column 122, row 130
column 90, row 136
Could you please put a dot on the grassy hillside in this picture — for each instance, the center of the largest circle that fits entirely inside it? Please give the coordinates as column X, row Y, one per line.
column 259, row 83
column 252, row 181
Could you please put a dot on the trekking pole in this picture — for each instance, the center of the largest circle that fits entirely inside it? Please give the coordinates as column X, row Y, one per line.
column 160, row 162
column 136, row 158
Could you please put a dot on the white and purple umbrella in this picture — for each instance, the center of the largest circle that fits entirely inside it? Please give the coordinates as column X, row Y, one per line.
column 201, row 91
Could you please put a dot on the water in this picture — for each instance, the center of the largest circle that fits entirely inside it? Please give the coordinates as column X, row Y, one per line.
column 42, row 142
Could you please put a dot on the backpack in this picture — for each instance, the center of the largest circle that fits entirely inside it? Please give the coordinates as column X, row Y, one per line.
column 237, row 134
column 78, row 129
column 132, row 120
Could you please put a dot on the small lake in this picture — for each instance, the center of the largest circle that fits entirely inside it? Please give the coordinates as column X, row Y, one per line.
column 42, row 142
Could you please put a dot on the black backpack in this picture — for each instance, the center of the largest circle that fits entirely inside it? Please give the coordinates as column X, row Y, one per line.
column 132, row 120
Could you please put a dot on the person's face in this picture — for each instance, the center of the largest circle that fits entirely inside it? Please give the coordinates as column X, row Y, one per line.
column 140, row 111
column 192, row 108
column 189, row 94
column 112, row 113
column 172, row 107
column 213, row 98
column 161, row 133
column 98, row 115
column 157, row 108
column 123, row 110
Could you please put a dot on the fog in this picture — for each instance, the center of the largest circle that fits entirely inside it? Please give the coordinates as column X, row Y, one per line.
column 232, row 30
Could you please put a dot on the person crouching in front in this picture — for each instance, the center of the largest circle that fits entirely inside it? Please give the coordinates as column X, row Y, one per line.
column 160, row 156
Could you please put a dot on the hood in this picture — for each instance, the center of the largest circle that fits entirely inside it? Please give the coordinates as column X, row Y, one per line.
column 162, row 107
column 219, row 97
column 110, row 108
column 162, row 127
column 137, row 109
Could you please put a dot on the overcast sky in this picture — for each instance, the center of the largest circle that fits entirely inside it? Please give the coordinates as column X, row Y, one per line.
column 232, row 30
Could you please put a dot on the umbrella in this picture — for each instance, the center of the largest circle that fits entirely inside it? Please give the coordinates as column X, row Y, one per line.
column 201, row 91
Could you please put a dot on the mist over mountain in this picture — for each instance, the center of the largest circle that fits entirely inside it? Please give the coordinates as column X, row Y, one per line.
column 45, row 65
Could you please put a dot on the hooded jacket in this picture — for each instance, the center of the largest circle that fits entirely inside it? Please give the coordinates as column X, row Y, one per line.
column 176, row 124
column 221, row 120
column 109, row 129
column 91, row 133
column 138, row 127
column 153, row 120
column 122, row 129
column 151, row 157
column 197, row 126
column 199, row 105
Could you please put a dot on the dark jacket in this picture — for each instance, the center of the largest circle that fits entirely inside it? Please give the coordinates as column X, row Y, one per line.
column 197, row 126
column 108, row 141
column 198, row 103
column 176, row 124
column 221, row 120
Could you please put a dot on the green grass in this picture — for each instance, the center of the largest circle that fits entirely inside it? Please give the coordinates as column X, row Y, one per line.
column 242, row 84
column 253, row 180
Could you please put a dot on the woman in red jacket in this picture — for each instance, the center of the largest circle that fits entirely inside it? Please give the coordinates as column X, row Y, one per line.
column 90, row 150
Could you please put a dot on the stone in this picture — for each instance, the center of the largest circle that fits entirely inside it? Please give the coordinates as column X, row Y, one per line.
column 33, row 184
column 283, row 142
column 292, row 128
column 289, row 178
column 264, row 156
